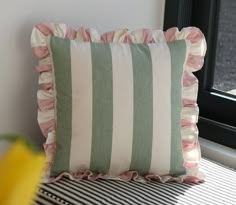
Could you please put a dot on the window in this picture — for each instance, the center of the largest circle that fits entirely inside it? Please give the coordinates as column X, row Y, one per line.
column 217, row 79
column 225, row 67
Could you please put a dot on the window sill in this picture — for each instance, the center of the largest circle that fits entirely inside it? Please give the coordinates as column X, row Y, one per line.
column 233, row 92
column 218, row 152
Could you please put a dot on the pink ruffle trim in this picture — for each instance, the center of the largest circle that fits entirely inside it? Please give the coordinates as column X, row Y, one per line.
column 126, row 176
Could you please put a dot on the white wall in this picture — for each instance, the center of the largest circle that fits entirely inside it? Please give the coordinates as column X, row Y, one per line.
column 18, row 79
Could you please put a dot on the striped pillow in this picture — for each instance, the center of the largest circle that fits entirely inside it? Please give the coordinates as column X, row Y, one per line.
column 117, row 106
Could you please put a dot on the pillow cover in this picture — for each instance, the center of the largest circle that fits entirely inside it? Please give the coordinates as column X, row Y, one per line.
column 121, row 105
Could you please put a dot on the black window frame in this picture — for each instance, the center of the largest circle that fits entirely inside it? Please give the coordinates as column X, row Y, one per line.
column 217, row 121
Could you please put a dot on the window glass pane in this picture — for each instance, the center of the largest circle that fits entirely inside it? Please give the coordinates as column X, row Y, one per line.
column 225, row 71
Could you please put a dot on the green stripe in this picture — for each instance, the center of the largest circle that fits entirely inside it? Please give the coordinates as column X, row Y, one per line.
column 178, row 54
column 60, row 49
column 143, row 108
column 102, row 107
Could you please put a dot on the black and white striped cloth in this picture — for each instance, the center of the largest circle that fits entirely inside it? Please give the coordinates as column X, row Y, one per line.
column 218, row 189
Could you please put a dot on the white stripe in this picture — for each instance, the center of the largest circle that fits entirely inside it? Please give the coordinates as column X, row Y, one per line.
column 161, row 149
column 144, row 192
column 54, row 189
column 112, row 193
column 86, row 195
column 48, row 198
column 81, row 74
column 122, row 108
column 90, row 191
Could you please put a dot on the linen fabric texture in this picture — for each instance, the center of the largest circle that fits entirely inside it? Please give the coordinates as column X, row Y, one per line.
column 121, row 105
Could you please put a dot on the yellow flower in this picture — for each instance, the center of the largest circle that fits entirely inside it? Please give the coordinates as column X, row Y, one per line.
column 20, row 173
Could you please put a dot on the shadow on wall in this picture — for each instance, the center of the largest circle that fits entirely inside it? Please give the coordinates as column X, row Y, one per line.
column 18, row 92
column 29, row 63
